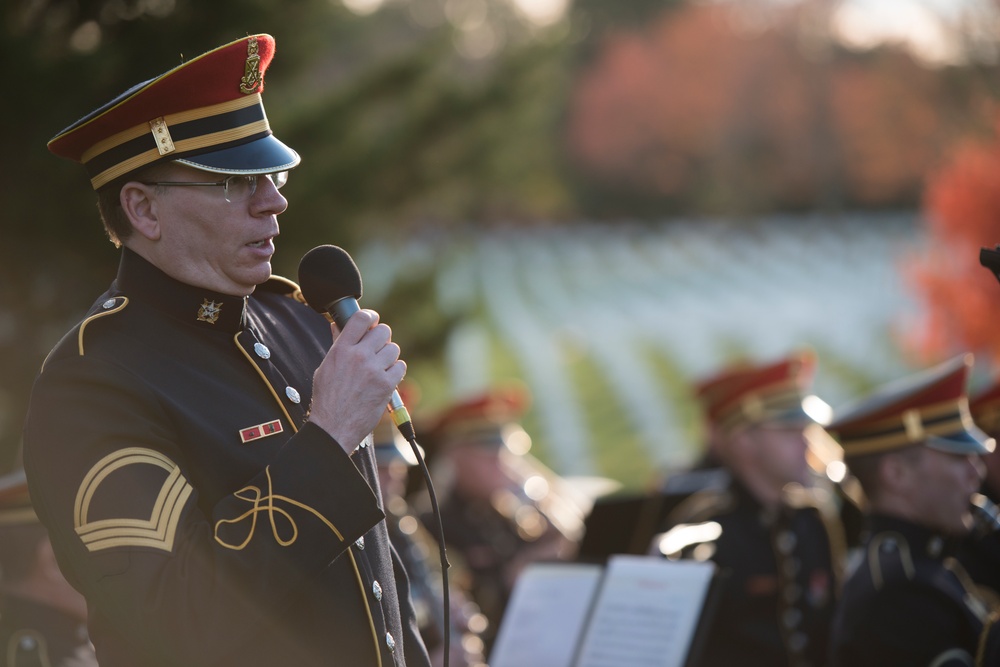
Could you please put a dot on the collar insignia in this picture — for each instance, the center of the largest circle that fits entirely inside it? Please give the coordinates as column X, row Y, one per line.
column 251, row 69
column 209, row 311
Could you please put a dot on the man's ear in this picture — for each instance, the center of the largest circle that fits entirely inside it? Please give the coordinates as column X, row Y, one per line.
column 139, row 203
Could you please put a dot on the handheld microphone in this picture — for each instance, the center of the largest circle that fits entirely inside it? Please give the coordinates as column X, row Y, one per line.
column 331, row 283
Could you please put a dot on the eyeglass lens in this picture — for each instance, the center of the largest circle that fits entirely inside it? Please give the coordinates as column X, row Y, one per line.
column 240, row 188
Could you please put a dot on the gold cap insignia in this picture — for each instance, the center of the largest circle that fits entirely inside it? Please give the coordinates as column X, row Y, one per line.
column 209, row 311
column 251, row 69
column 161, row 133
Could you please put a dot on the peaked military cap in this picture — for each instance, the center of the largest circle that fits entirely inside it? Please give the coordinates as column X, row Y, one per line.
column 489, row 418
column 747, row 394
column 206, row 113
column 930, row 408
column 15, row 502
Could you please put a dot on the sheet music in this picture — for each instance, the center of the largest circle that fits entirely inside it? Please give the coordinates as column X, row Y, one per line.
column 646, row 613
column 545, row 615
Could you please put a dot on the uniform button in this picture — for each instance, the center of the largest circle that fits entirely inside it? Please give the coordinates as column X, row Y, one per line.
column 791, row 567
column 377, row 590
column 110, row 303
column 792, row 592
column 262, row 351
column 292, row 394
column 797, row 642
column 935, row 547
column 791, row 618
column 785, row 541
column 390, row 642
column 27, row 644
column 360, row 542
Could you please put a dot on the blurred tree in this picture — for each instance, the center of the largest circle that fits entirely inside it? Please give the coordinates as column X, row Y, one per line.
column 962, row 207
column 701, row 111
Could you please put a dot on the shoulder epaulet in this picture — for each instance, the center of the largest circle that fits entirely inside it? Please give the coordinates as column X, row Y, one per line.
column 109, row 306
column 702, row 506
column 889, row 558
column 281, row 285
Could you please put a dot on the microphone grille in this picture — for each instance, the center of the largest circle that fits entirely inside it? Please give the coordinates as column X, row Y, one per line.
column 327, row 274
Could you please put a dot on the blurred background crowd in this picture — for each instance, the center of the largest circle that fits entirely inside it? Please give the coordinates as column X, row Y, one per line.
column 600, row 202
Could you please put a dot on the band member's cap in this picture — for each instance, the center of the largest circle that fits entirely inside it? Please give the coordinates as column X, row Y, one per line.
column 747, row 394
column 930, row 408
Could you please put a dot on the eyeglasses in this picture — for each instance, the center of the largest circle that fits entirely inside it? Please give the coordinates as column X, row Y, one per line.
column 238, row 188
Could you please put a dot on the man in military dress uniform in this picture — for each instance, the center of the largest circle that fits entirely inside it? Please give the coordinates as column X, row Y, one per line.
column 43, row 620
column 198, row 446
column 772, row 531
column 914, row 448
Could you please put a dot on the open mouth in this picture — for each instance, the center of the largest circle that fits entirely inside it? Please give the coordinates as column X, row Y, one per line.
column 259, row 244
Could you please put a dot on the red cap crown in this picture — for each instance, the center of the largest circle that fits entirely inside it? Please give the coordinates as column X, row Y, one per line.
column 206, row 112
column 929, row 408
column 747, row 394
column 480, row 418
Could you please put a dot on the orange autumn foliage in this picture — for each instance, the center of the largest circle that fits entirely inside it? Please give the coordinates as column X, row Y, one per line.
column 962, row 298
column 694, row 109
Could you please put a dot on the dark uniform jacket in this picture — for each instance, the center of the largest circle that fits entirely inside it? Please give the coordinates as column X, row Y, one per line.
column 909, row 603
column 777, row 577
column 188, row 498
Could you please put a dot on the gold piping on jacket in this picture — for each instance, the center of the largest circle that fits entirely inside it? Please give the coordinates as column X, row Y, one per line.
column 266, row 503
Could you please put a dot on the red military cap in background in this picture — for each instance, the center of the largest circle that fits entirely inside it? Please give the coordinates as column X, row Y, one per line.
column 930, row 407
column 745, row 394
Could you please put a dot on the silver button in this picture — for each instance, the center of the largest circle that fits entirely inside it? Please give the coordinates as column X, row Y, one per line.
column 792, row 592
column 27, row 643
column 360, row 542
column 110, row 303
column 292, row 394
column 390, row 642
column 797, row 642
column 792, row 617
column 786, row 541
column 377, row 590
column 262, row 350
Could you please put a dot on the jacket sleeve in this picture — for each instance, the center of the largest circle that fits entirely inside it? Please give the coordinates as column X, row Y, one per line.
column 132, row 532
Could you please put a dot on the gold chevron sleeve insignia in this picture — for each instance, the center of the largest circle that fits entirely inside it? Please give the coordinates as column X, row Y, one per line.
column 125, row 482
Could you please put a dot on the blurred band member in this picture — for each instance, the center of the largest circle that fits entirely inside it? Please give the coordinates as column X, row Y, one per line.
column 773, row 533
column 916, row 451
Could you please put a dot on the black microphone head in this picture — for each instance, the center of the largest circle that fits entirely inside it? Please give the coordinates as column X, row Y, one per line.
column 327, row 274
